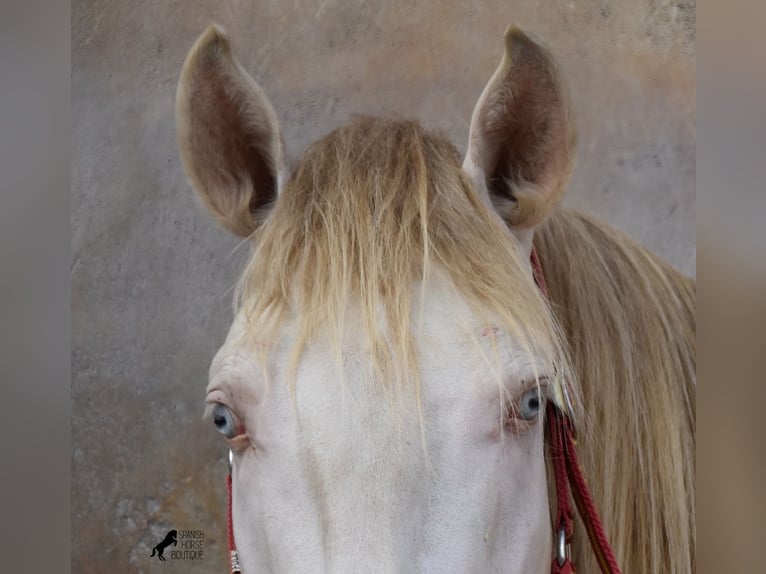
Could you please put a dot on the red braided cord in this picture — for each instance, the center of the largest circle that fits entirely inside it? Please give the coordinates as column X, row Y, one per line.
column 233, row 558
column 566, row 568
column 229, row 523
column 564, row 516
column 565, row 461
column 537, row 272
column 587, row 508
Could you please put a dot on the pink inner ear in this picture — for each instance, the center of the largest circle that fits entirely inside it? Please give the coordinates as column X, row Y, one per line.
column 227, row 134
column 232, row 136
column 528, row 135
column 523, row 133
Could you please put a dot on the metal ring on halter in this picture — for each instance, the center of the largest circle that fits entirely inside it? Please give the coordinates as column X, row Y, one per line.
column 562, row 548
column 231, row 460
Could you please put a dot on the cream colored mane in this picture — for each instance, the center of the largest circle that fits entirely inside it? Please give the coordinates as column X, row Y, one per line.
column 630, row 324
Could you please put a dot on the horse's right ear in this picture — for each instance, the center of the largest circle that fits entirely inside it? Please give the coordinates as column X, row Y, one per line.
column 228, row 135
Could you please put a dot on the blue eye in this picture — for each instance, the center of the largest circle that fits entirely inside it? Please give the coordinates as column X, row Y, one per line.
column 224, row 421
column 530, row 404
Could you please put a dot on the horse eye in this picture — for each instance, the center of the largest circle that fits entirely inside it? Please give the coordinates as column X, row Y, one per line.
column 531, row 402
column 224, row 421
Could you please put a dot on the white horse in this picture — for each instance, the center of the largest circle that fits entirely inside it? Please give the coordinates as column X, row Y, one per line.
column 383, row 385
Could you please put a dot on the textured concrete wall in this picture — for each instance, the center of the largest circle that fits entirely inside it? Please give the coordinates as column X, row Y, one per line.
column 151, row 274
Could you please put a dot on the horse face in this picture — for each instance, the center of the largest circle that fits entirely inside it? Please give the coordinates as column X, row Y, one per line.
column 341, row 478
column 337, row 472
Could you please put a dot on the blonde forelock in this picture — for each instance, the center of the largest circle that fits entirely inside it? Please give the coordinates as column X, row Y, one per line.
column 370, row 211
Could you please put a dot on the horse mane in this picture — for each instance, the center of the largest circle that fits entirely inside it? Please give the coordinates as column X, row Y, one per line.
column 629, row 319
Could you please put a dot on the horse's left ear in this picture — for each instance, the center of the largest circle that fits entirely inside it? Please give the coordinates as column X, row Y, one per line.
column 522, row 139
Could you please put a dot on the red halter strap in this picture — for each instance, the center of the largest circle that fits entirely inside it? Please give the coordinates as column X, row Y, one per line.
column 234, row 566
column 566, row 470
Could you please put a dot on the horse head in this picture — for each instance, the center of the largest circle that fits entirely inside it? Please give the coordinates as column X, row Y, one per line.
column 383, row 383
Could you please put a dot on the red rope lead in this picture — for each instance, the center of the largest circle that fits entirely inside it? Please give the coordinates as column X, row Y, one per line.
column 235, row 568
column 564, row 515
column 587, row 508
column 537, row 273
column 567, row 465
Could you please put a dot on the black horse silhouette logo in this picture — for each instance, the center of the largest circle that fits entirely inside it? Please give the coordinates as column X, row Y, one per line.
column 170, row 538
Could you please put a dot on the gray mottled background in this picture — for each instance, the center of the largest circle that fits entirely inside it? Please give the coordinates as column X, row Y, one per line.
column 152, row 275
